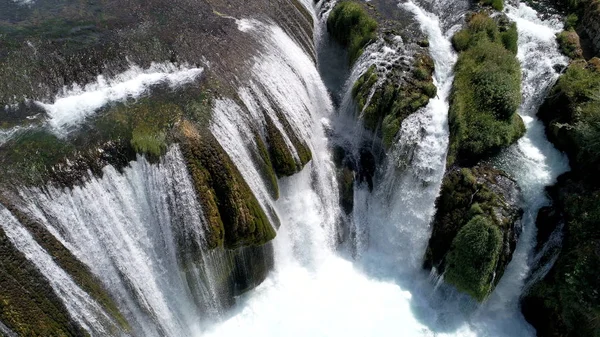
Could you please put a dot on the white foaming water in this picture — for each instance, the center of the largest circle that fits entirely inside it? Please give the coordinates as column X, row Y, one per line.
column 131, row 230
column 79, row 304
column 74, row 104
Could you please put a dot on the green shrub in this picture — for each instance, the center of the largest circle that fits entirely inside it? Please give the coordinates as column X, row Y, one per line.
column 495, row 4
column 461, row 40
column 351, row 25
column 510, row 38
column 486, row 92
column 571, row 21
column 472, row 259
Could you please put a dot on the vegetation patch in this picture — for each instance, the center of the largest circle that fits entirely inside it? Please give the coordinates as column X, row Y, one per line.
column 572, row 115
column 486, row 91
column 351, row 25
column 471, row 262
column 567, row 301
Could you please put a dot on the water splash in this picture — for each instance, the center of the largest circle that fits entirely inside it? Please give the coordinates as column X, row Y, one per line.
column 74, row 104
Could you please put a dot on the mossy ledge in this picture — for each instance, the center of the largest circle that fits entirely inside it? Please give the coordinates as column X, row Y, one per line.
column 486, row 91
column 477, row 212
column 234, row 214
column 566, row 302
column 283, row 160
column 351, row 25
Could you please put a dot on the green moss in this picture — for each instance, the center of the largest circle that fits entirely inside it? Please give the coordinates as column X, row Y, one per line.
column 148, row 141
column 468, row 194
column 234, row 214
column 495, row 4
column 471, row 262
column 351, row 25
column 569, row 43
column 569, row 295
column 510, row 38
column 390, row 126
column 486, row 92
column 30, row 156
column 281, row 156
column 267, row 167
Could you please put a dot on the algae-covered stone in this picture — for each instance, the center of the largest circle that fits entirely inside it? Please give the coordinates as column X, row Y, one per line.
column 478, row 196
column 234, row 214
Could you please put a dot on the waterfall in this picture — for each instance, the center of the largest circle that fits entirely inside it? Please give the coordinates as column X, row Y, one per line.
column 141, row 230
column 332, row 295
column 129, row 228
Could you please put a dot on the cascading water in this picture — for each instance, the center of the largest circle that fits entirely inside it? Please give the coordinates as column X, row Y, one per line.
column 133, row 228
column 333, row 296
column 128, row 228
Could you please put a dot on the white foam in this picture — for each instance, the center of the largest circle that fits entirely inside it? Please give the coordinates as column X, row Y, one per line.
column 74, row 104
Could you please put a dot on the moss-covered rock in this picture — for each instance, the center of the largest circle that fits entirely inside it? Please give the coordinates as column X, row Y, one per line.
column 481, row 197
column 572, row 118
column 472, row 259
column 569, row 44
column 282, row 158
column 268, row 170
column 80, row 273
column 352, row 26
column 234, row 214
column 388, row 103
column 486, row 91
column 567, row 301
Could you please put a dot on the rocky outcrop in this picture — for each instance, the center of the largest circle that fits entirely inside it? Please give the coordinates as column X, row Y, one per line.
column 590, row 23
column 475, row 229
column 566, row 301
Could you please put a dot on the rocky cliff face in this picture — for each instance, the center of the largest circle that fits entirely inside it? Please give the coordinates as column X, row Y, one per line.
column 590, row 24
